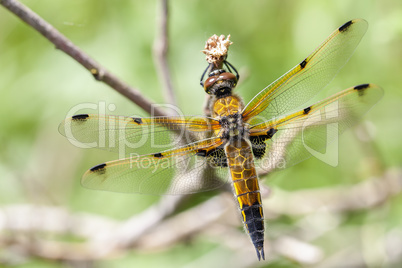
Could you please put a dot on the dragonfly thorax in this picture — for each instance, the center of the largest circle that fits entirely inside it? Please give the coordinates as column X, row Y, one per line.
column 233, row 127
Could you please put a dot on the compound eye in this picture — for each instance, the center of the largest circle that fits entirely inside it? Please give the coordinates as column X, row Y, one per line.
column 209, row 83
column 228, row 77
column 219, row 78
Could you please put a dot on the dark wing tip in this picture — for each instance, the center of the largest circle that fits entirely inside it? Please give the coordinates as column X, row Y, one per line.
column 361, row 89
column 345, row 26
column 362, row 86
column 80, row 116
column 98, row 167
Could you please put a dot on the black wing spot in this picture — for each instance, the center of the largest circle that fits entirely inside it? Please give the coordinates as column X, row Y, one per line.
column 307, row 110
column 98, row 168
column 158, row 155
column 258, row 145
column 271, row 132
column 345, row 26
column 202, row 153
column 361, row 88
column 217, row 157
column 80, row 117
column 137, row 120
column 303, row 64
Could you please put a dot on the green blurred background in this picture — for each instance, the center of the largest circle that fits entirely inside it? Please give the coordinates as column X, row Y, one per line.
column 39, row 85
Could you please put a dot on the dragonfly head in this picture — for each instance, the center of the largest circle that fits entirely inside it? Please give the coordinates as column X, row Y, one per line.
column 220, row 83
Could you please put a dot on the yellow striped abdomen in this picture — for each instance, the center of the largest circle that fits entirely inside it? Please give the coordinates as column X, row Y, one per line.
column 247, row 190
column 241, row 163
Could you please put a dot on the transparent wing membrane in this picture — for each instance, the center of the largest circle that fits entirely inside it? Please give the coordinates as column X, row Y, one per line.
column 139, row 135
column 305, row 80
column 186, row 154
column 181, row 171
column 298, row 135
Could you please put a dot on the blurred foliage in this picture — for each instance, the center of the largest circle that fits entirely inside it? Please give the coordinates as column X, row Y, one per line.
column 39, row 85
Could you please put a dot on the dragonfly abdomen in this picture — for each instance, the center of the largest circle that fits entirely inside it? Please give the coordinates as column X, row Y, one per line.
column 247, row 190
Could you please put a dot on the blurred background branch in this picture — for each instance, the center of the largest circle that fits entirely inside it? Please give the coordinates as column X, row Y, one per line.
column 348, row 216
column 160, row 53
column 153, row 230
column 62, row 43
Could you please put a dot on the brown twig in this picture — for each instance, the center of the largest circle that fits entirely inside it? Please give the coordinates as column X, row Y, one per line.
column 61, row 42
column 160, row 50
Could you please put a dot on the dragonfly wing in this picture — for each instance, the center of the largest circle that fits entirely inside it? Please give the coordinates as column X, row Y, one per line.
column 200, row 166
column 292, row 139
column 134, row 134
column 306, row 79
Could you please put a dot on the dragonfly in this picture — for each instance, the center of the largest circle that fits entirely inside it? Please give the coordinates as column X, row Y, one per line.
column 275, row 130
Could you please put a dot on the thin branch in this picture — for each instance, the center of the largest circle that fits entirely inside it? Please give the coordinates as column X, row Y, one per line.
column 160, row 49
column 65, row 45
